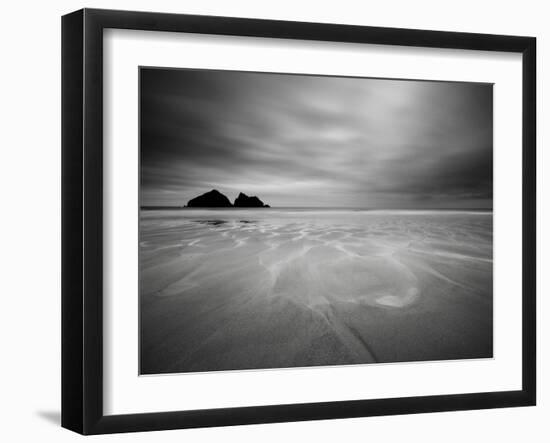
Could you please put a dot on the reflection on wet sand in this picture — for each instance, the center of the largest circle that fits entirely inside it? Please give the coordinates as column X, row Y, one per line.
column 245, row 289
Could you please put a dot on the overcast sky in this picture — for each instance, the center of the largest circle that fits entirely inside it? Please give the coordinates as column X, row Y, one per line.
column 297, row 140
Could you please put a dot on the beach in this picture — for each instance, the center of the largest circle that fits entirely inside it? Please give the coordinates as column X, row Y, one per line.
column 234, row 289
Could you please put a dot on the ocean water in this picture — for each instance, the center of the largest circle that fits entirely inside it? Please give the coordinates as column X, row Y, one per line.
column 233, row 289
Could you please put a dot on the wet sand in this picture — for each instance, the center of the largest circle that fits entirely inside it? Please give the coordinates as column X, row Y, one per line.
column 267, row 288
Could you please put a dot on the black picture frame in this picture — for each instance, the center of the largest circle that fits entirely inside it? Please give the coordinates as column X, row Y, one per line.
column 82, row 220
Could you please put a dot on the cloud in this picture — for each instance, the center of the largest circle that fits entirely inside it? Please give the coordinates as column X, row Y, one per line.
column 299, row 140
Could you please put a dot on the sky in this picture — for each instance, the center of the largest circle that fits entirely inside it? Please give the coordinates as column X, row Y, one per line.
column 315, row 141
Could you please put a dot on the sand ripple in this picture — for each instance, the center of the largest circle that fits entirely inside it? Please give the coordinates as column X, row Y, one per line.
column 335, row 268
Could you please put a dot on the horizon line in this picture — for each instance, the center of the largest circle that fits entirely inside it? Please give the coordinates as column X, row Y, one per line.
column 316, row 207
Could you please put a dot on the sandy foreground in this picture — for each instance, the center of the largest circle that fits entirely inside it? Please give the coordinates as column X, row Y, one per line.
column 266, row 288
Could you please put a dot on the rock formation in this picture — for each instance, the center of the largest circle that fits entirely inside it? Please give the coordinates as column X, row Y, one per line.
column 244, row 201
column 212, row 199
column 215, row 199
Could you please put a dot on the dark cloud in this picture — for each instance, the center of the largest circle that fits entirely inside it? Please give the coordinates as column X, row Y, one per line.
column 298, row 140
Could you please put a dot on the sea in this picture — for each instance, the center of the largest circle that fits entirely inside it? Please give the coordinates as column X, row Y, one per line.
column 265, row 288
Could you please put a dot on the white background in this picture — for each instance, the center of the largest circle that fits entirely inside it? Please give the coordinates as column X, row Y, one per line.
column 30, row 247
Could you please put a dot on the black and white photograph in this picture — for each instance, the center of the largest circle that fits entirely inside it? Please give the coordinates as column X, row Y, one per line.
column 306, row 220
